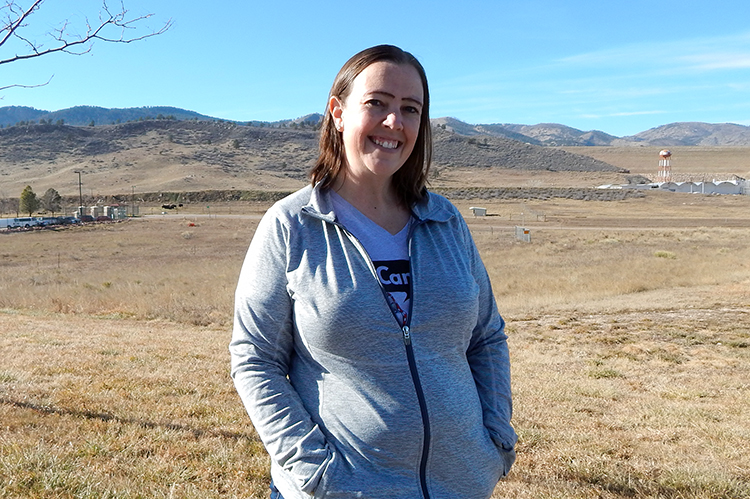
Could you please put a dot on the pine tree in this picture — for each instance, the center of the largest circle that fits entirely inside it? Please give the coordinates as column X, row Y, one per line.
column 29, row 202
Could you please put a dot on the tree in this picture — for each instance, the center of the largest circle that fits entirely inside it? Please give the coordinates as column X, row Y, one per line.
column 29, row 202
column 51, row 200
column 111, row 26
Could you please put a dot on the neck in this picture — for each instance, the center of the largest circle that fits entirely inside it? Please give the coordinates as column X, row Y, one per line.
column 367, row 194
column 379, row 203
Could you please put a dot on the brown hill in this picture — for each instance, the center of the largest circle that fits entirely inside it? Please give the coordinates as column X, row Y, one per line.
column 170, row 155
column 452, row 149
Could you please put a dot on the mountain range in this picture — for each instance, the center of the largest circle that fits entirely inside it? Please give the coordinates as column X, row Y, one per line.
column 554, row 134
column 543, row 134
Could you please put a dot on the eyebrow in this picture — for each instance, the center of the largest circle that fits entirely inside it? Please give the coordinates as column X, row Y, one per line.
column 388, row 94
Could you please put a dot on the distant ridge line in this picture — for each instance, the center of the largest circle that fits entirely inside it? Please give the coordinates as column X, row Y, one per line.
column 543, row 134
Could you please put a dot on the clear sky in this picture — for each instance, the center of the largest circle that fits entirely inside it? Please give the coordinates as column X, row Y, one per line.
column 617, row 66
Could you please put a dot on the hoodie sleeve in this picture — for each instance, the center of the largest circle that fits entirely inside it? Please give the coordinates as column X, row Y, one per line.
column 488, row 356
column 261, row 350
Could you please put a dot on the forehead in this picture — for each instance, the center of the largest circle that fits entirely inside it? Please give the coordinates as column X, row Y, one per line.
column 400, row 80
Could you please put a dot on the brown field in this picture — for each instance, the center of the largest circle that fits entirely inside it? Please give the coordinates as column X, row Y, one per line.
column 629, row 326
column 685, row 159
column 721, row 162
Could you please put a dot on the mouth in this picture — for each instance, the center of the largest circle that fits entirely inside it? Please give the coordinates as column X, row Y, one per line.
column 386, row 143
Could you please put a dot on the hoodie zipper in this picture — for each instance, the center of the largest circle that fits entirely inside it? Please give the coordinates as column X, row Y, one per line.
column 422, row 408
column 406, row 333
column 415, row 376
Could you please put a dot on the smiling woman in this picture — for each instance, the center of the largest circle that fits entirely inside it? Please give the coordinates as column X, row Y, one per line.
column 409, row 181
column 379, row 123
column 367, row 345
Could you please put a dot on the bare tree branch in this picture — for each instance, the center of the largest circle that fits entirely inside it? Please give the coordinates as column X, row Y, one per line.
column 11, row 25
column 15, row 19
column 26, row 86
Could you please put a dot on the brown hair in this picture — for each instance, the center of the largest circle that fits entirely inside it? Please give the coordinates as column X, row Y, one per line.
column 411, row 178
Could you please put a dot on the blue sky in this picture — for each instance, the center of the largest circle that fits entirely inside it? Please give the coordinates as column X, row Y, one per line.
column 619, row 67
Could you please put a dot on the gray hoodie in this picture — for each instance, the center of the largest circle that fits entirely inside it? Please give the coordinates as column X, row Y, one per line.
column 346, row 401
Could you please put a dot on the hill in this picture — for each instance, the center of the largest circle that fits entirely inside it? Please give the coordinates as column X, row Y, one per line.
column 556, row 135
column 553, row 134
column 172, row 155
column 454, row 150
column 694, row 134
column 87, row 115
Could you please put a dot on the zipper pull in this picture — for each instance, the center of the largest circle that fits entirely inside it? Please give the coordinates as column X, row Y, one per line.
column 407, row 335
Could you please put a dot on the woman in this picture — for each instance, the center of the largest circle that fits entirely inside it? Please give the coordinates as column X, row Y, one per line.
column 367, row 346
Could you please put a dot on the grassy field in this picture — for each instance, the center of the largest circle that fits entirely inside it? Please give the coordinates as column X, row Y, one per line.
column 629, row 327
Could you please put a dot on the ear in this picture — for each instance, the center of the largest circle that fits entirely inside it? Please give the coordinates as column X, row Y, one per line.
column 336, row 108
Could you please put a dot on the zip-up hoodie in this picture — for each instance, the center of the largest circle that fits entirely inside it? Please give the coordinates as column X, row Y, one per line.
column 346, row 401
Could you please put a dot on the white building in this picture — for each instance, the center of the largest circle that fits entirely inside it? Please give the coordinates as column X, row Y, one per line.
column 737, row 186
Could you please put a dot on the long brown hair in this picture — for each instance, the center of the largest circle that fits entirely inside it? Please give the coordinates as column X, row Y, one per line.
column 411, row 178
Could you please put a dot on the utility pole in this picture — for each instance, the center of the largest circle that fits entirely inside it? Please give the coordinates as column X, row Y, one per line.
column 132, row 201
column 80, row 195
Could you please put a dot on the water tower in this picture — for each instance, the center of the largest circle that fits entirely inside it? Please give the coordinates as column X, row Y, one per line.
column 665, row 168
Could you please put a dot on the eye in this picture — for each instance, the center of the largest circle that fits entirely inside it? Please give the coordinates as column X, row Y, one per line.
column 412, row 110
column 374, row 103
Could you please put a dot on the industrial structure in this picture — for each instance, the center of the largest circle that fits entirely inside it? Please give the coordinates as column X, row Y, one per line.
column 699, row 183
column 665, row 166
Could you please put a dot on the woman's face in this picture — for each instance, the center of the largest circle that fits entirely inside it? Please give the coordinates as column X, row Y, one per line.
column 379, row 120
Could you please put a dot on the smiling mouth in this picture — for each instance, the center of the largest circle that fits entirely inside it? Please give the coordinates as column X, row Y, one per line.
column 386, row 144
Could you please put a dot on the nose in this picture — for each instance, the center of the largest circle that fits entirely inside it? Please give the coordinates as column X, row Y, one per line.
column 393, row 120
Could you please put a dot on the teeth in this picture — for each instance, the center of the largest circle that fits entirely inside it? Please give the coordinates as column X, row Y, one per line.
column 388, row 144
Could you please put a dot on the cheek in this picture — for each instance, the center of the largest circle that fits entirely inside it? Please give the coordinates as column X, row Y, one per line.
column 355, row 128
column 413, row 130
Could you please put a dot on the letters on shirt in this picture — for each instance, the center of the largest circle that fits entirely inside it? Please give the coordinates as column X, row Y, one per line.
column 394, row 275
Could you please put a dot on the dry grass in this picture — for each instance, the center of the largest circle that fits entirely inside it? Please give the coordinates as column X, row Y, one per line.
column 632, row 404
column 592, row 266
column 182, row 269
column 630, row 342
column 94, row 408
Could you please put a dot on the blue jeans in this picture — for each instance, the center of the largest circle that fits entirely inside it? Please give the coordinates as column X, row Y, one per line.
column 275, row 494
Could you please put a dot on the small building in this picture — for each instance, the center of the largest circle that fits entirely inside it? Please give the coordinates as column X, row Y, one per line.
column 720, row 187
column 116, row 212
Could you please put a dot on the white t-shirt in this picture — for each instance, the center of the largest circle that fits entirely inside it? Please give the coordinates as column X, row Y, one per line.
column 388, row 252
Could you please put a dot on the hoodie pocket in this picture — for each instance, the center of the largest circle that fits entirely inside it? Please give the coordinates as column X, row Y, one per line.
column 335, row 481
column 507, row 458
